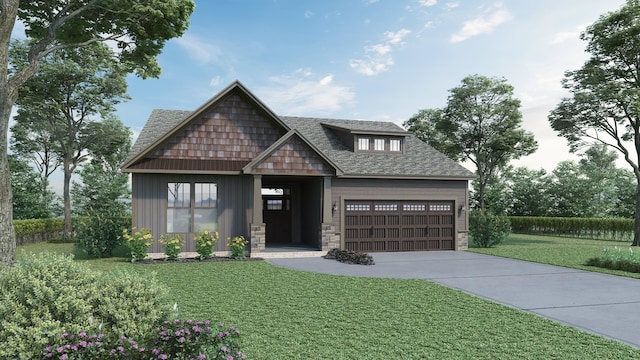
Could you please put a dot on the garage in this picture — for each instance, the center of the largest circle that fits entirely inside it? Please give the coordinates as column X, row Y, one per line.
column 408, row 225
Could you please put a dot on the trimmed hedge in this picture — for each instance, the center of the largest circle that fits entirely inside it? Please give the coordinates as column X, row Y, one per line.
column 587, row 228
column 41, row 230
column 37, row 230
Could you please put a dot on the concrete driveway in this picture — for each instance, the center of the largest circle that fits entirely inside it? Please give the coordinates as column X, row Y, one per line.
column 606, row 305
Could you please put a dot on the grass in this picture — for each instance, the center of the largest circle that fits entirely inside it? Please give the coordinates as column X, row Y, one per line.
column 561, row 251
column 287, row 314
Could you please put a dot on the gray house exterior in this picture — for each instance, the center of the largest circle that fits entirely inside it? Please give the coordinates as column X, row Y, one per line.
column 235, row 167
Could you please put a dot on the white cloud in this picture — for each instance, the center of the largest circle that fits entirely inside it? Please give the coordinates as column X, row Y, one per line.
column 377, row 57
column 396, row 37
column 304, row 94
column 308, row 14
column 452, row 5
column 215, row 81
column 428, row 3
column 482, row 24
column 369, row 2
column 564, row 36
column 199, row 49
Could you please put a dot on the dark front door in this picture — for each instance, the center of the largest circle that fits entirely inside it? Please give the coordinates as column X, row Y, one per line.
column 277, row 217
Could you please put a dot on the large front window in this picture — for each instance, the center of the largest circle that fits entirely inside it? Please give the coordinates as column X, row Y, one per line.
column 192, row 207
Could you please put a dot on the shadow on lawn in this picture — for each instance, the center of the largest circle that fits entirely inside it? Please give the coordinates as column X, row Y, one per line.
column 516, row 240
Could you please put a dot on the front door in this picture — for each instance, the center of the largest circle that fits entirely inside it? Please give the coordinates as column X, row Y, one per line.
column 277, row 217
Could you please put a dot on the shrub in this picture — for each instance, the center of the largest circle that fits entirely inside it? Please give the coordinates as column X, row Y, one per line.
column 130, row 304
column 205, row 242
column 350, row 257
column 98, row 233
column 172, row 340
column 487, row 230
column 46, row 295
column 617, row 260
column 237, row 244
column 187, row 339
column 138, row 243
column 171, row 245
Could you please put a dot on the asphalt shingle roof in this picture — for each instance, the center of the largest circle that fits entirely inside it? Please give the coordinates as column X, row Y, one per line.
column 417, row 160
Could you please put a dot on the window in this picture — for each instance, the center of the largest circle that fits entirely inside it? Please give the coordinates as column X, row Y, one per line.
column 274, row 204
column 378, row 144
column 363, row 143
column 394, row 145
column 358, row 207
column 192, row 207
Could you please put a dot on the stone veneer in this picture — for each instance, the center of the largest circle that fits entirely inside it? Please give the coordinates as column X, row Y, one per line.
column 463, row 240
column 330, row 239
column 258, row 238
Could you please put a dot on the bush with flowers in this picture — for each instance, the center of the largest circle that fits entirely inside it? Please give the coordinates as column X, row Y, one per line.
column 237, row 245
column 205, row 242
column 137, row 242
column 172, row 245
column 177, row 339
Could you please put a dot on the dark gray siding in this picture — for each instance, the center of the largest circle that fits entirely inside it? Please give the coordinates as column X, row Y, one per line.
column 405, row 189
column 235, row 194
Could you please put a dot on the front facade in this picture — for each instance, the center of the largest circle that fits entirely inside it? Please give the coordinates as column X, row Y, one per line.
column 235, row 167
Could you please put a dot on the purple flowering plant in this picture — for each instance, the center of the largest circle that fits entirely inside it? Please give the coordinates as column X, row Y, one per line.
column 177, row 339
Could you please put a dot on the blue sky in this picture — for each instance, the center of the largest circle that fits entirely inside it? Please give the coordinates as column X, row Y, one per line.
column 373, row 59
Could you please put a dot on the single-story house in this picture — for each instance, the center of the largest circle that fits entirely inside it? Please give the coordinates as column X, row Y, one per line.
column 235, row 167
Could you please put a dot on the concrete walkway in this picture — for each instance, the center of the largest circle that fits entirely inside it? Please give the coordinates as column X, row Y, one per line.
column 603, row 304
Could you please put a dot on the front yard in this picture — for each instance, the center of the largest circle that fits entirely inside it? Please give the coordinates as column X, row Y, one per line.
column 286, row 314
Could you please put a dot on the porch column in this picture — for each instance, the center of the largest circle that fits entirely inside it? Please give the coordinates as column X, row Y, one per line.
column 258, row 227
column 257, row 200
column 327, row 206
column 328, row 236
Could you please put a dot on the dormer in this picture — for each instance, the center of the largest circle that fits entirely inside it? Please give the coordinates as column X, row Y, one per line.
column 362, row 140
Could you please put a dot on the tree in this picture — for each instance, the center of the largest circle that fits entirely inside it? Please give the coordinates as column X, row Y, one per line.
column 58, row 105
column 604, row 105
column 529, row 192
column 104, row 187
column 481, row 123
column 29, row 199
column 138, row 29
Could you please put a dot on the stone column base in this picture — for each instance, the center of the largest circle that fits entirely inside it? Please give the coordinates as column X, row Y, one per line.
column 258, row 238
column 329, row 238
column 463, row 240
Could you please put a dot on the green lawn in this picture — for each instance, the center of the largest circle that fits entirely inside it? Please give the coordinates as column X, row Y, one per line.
column 286, row 314
column 562, row 251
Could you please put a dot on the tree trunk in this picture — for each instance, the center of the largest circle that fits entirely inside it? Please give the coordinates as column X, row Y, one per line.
column 66, row 194
column 7, row 233
column 636, row 223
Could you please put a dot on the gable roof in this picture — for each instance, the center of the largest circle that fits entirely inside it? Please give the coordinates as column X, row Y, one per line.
column 418, row 160
column 322, row 136
column 162, row 124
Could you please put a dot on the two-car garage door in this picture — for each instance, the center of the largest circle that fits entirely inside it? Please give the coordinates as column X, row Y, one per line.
column 384, row 225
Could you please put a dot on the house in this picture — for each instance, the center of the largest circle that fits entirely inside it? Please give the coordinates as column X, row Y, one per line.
column 235, row 167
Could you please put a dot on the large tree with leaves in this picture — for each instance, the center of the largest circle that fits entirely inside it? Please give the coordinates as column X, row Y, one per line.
column 482, row 124
column 137, row 28
column 60, row 104
column 32, row 199
column 604, row 105
column 104, row 188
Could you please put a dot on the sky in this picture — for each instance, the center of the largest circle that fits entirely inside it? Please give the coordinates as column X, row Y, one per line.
column 380, row 60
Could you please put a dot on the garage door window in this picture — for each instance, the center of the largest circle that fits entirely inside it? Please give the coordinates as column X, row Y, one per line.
column 440, row 207
column 386, row 207
column 358, row 207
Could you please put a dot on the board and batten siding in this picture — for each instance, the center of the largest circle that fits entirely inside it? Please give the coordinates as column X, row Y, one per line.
column 400, row 189
column 235, row 200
